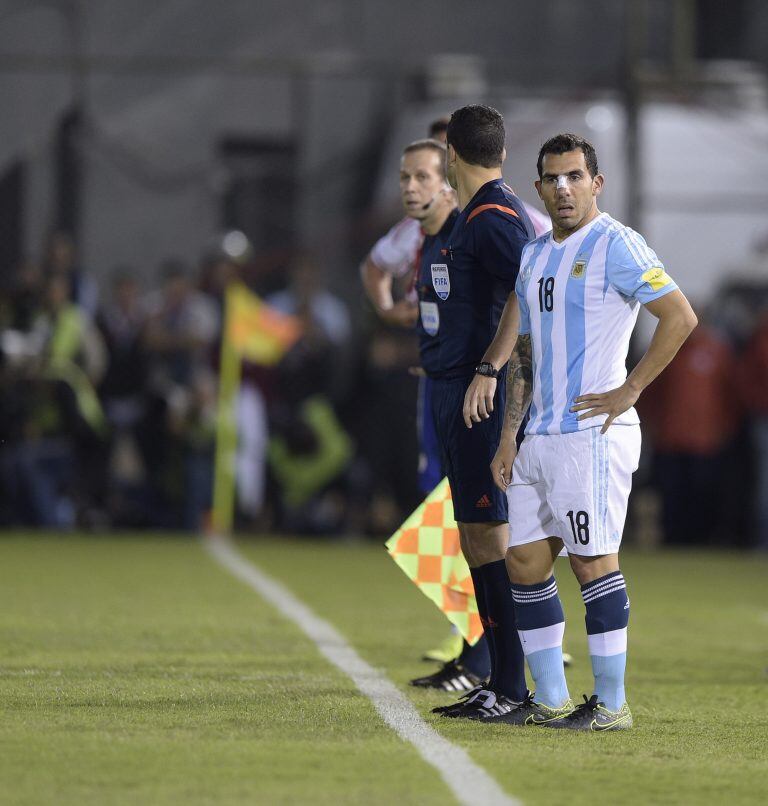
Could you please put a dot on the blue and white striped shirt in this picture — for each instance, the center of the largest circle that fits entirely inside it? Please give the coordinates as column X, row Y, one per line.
column 579, row 301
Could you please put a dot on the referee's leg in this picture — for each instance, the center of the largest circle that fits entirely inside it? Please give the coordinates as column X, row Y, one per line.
column 484, row 545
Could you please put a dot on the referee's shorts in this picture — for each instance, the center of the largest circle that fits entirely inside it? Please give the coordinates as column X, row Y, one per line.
column 466, row 453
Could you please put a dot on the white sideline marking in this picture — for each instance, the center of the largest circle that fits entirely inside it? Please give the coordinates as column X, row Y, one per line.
column 470, row 783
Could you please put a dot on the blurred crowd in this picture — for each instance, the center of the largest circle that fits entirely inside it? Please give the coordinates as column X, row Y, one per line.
column 108, row 409
column 706, row 421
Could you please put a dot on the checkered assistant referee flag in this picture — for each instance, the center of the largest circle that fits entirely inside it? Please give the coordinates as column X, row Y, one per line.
column 427, row 548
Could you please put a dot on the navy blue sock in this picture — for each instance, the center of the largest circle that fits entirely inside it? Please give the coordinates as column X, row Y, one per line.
column 482, row 609
column 509, row 669
column 477, row 658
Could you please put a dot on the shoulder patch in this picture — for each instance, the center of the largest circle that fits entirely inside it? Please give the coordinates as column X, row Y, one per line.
column 483, row 207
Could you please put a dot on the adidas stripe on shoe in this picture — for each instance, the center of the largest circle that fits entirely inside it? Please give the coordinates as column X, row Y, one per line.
column 450, row 677
column 484, row 706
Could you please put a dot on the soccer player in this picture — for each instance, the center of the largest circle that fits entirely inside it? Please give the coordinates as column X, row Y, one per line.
column 580, row 290
column 466, row 283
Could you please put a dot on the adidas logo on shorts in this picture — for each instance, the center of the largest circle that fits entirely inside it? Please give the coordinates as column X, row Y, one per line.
column 483, row 502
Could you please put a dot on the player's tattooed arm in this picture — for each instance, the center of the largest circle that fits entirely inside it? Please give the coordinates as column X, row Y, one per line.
column 519, row 390
column 519, row 385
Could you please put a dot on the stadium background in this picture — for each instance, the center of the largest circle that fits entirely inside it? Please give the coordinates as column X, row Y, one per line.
column 146, row 133
column 139, row 140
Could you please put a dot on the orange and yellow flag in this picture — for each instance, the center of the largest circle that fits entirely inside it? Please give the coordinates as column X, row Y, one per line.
column 252, row 332
column 427, row 549
column 256, row 332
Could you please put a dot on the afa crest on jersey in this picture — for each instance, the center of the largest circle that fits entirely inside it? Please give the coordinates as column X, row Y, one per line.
column 441, row 280
column 578, row 269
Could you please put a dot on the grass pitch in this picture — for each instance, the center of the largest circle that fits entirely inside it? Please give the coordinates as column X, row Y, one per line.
column 135, row 670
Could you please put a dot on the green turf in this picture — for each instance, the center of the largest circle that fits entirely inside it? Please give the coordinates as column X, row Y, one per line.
column 697, row 674
column 134, row 670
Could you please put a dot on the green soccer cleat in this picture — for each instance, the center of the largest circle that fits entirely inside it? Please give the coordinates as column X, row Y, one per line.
column 448, row 650
column 593, row 716
column 530, row 712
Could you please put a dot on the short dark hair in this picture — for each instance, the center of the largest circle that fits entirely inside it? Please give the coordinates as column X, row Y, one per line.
column 562, row 143
column 477, row 133
column 438, row 126
column 428, row 144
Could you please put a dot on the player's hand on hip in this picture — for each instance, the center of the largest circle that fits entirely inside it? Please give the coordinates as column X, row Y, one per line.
column 612, row 404
column 402, row 314
column 501, row 465
column 478, row 401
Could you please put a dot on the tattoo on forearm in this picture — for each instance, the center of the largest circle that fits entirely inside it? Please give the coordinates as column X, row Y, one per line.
column 519, row 383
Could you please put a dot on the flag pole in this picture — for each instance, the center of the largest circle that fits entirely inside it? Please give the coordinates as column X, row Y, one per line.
column 226, row 426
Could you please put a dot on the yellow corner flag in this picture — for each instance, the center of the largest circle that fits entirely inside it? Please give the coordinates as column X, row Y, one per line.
column 427, row 548
column 253, row 332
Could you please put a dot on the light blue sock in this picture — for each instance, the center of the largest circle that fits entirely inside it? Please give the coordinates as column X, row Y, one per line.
column 540, row 624
column 607, row 617
column 609, row 679
column 546, row 667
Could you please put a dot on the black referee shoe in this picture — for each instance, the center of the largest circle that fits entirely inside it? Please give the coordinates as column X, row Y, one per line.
column 450, row 677
column 446, row 710
column 484, row 706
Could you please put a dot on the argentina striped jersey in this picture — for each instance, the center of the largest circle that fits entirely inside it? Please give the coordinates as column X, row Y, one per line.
column 579, row 301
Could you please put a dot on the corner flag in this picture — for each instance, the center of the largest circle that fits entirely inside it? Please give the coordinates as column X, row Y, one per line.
column 252, row 332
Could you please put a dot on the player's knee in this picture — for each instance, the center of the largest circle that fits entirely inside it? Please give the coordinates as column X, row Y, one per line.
column 527, row 565
column 485, row 552
column 587, row 569
column 485, row 542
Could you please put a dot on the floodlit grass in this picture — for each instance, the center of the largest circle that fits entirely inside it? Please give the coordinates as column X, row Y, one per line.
column 697, row 681
column 135, row 670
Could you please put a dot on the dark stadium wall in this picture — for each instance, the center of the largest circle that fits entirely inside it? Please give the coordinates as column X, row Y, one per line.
column 162, row 84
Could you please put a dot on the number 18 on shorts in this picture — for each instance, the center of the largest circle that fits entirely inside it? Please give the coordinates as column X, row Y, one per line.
column 574, row 486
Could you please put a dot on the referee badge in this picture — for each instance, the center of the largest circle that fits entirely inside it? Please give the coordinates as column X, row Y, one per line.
column 577, row 271
column 441, row 281
column 430, row 317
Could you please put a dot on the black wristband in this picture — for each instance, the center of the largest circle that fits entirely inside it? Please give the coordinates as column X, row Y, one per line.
column 487, row 369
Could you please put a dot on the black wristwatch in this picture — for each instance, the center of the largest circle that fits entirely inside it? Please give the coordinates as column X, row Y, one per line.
column 486, row 368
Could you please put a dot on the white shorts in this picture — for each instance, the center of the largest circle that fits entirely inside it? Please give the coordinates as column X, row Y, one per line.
column 575, row 487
